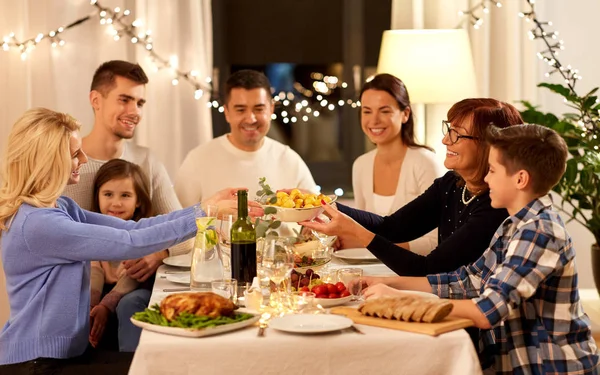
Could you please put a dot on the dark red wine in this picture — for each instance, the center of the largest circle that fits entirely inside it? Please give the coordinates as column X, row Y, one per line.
column 243, row 261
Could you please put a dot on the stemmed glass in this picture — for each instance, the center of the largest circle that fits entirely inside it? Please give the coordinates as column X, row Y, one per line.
column 324, row 252
column 224, row 234
column 276, row 263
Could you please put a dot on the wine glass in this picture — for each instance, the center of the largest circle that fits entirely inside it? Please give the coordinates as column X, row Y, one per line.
column 322, row 255
column 224, row 235
column 276, row 263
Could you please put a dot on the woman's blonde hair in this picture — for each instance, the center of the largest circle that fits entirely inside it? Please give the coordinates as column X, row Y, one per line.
column 37, row 161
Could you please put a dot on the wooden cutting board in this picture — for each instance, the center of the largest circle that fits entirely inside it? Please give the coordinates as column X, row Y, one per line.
column 432, row 329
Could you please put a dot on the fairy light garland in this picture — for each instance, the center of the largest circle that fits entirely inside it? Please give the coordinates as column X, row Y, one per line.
column 120, row 26
column 589, row 122
column 472, row 15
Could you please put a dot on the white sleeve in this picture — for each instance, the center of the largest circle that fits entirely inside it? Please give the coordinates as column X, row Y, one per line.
column 188, row 183
column 357, row 177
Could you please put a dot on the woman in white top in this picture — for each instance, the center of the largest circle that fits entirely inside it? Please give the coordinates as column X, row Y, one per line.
column 399, row 169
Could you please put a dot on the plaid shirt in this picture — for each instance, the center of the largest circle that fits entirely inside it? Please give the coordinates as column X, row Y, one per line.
column 525, row 284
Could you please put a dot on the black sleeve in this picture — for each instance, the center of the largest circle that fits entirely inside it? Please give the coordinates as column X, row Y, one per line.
column 415, row 219
column 464, row 246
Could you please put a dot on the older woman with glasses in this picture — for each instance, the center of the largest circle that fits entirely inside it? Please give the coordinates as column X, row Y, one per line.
column 457, row 204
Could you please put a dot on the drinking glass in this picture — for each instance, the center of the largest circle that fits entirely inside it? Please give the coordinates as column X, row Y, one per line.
column 226, row 288
column 206, row 257
column 322, row 254
column 303, row 302
column 224, row 235
column 352, row 278
column 276, row 264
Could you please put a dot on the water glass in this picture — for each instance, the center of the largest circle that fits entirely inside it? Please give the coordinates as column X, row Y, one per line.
column 352, row 278
column 207, row 264
column 303, row 302
column 226, row 288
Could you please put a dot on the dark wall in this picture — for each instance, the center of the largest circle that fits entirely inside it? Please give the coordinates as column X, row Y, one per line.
column 257, row 32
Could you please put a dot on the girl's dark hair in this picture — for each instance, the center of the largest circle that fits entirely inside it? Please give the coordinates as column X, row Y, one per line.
column 395, row 87
column 117, row 169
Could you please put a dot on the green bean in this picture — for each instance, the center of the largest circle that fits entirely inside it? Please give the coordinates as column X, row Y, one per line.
column 152, row 315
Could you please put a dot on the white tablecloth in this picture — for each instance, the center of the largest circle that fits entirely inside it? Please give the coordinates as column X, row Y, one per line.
column 378, row 351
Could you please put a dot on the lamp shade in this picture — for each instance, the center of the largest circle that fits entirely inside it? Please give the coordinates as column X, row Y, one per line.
column 435, row 65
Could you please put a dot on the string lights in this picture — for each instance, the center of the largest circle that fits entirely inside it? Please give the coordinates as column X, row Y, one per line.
column 588, row 121
column 472, row 14
column 120, row 26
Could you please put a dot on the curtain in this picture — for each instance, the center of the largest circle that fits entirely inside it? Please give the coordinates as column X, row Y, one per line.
column 59, row 78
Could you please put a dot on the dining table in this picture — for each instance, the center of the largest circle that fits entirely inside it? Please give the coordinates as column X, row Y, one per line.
column 375, row 351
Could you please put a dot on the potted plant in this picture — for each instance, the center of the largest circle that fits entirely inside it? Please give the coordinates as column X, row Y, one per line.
column 580, row 185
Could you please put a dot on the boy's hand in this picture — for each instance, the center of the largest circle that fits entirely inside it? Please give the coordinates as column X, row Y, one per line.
column 380, row 290
column 98, row 319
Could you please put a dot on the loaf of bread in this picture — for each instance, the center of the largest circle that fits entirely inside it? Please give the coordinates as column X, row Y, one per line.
column 407, row 308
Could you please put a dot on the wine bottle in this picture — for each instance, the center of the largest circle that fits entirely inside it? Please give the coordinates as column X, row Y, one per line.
column 243, row 243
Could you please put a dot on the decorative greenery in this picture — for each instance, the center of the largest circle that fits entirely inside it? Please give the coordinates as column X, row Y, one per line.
column 266, row 225
column 580, row 185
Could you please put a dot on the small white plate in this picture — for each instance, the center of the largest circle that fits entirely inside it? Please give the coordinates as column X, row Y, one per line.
column 179, row 278
column 355, row 254
column 191, row 332
column 183, row 260
column 309, row 323
column 331, row 302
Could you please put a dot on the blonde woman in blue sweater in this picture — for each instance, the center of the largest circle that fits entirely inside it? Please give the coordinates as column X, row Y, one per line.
column 48, row 241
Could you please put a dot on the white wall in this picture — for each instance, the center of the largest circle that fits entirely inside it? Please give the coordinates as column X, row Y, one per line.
column 577, row 24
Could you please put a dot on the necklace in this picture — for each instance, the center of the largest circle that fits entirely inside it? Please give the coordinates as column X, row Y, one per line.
column 464, row 200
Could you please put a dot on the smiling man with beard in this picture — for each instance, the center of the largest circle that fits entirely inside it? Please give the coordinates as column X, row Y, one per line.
column 117, row 96
column 242, row 156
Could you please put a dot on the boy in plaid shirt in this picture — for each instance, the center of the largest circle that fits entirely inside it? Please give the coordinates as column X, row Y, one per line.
column 522, row 293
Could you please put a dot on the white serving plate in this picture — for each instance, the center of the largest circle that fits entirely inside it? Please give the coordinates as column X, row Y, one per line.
column 310, row 323
column 357, row 254
column 183, row 260
column 191, row 332
column 179, row 278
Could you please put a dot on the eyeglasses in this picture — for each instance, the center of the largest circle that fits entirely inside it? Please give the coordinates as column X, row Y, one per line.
column 454, row 136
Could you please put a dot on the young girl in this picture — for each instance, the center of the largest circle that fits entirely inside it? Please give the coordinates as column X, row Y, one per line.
column 120, row 190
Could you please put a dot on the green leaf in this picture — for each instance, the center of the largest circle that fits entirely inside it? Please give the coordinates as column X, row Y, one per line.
column 571, row 172
column 276, row 224
column 270, row 210
column 561, row 90
column 273, row 200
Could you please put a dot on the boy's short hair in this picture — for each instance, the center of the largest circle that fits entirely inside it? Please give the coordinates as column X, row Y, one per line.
column 539, row 150
column 246, row 79
column 105, row 75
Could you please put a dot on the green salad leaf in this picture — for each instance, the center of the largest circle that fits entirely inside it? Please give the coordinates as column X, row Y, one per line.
column 152, row 315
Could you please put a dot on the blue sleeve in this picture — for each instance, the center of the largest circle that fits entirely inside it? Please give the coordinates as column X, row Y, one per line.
column 52, row 233
column 89, row 217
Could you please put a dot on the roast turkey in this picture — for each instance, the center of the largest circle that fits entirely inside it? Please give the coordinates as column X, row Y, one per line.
column 201, row 303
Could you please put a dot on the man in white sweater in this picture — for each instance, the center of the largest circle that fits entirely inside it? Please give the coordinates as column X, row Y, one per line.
column 117, row 98
column 242, row 156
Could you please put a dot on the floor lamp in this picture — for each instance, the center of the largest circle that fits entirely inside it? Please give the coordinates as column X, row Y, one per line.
column 435, row 65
